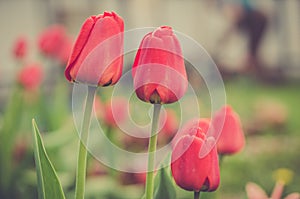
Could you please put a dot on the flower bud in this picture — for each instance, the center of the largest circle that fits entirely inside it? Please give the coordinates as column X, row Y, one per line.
column 232, row 138
column 97, row 56
column 191, row 172
column 158, row 71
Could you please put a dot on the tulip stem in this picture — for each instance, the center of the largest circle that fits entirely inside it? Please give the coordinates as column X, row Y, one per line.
column 110, row 136
column 196, row 194
column 221, row 157
column 151, row 152
column 82, row 153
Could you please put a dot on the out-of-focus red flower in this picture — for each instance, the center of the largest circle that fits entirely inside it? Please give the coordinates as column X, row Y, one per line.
column 20, row 47
column 98, row 107
column 171, row 124
column 134, row 144
column 232, row 138
column 64, row 52
column 169, row 127
column 115, row 111
column 96, row 169
column 20, row 148
column 140, row 178
column 31, row 76
column 97, row 56
column 158, row 71
column 51, row 40
column 132, row 178
column 191, row 172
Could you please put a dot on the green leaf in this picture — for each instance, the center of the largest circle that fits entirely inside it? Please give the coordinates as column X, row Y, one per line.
column 164, row 187
column 49, row 186
column 8, row 132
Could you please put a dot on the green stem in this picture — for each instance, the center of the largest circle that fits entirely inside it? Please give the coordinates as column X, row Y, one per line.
column 151, row 152
column 111, row 155
column 8, row 133
column 109, row 133
column 196, row 194
column 82, row 153
column 221, row 159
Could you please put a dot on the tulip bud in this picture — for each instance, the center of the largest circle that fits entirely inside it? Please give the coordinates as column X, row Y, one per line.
column 64, row 52
column 20, row 48
column 195, row 127
column 191, row 172
column 115, row 111
column 97, row 56
column 30, row 77
column 158, row 71
column 98, row 107
column 232, row 138
column 169, row 124
column 51, row 40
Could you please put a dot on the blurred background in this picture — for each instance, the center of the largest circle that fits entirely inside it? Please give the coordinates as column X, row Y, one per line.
column 255, row 44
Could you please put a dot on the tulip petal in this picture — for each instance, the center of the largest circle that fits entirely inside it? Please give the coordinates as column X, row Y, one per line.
column 214, row 174
column 188, row 170
column 79, row 44
column 228, row 130
column 293, row 196
column 255, row 192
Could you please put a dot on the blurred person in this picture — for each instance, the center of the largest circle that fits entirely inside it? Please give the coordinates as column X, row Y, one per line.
column 246, row 18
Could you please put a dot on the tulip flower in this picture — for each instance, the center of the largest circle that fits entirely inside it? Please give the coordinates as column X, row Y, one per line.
column 98, row 107
column 169, row 125
column 96, row 58
column 158, row 71
column 232, row 138
column 31, row 76
column 115, row 111
column 64, row 52
column 51, row 40
column 159, row 77
column 20, row 48
column 132, row 178
column 195, row 127
column 189, row 171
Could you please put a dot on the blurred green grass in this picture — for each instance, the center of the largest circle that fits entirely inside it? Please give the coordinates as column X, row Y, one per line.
column 242, row 94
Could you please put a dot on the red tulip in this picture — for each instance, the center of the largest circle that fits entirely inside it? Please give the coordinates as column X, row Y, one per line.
column 169, row 122
column 64, row 52
column 98, row 107
column 30, row 77
column 132, row 178
column 51, row 40
column 232, row 138
column 96, row 58
column 20, row 48
column 115, row 111
column 191, row 172
column 196, row 127
column 158, row 71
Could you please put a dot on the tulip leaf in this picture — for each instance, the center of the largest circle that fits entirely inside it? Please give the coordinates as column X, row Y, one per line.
column 8, row 133
column 164, row 187
column 49, row 186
